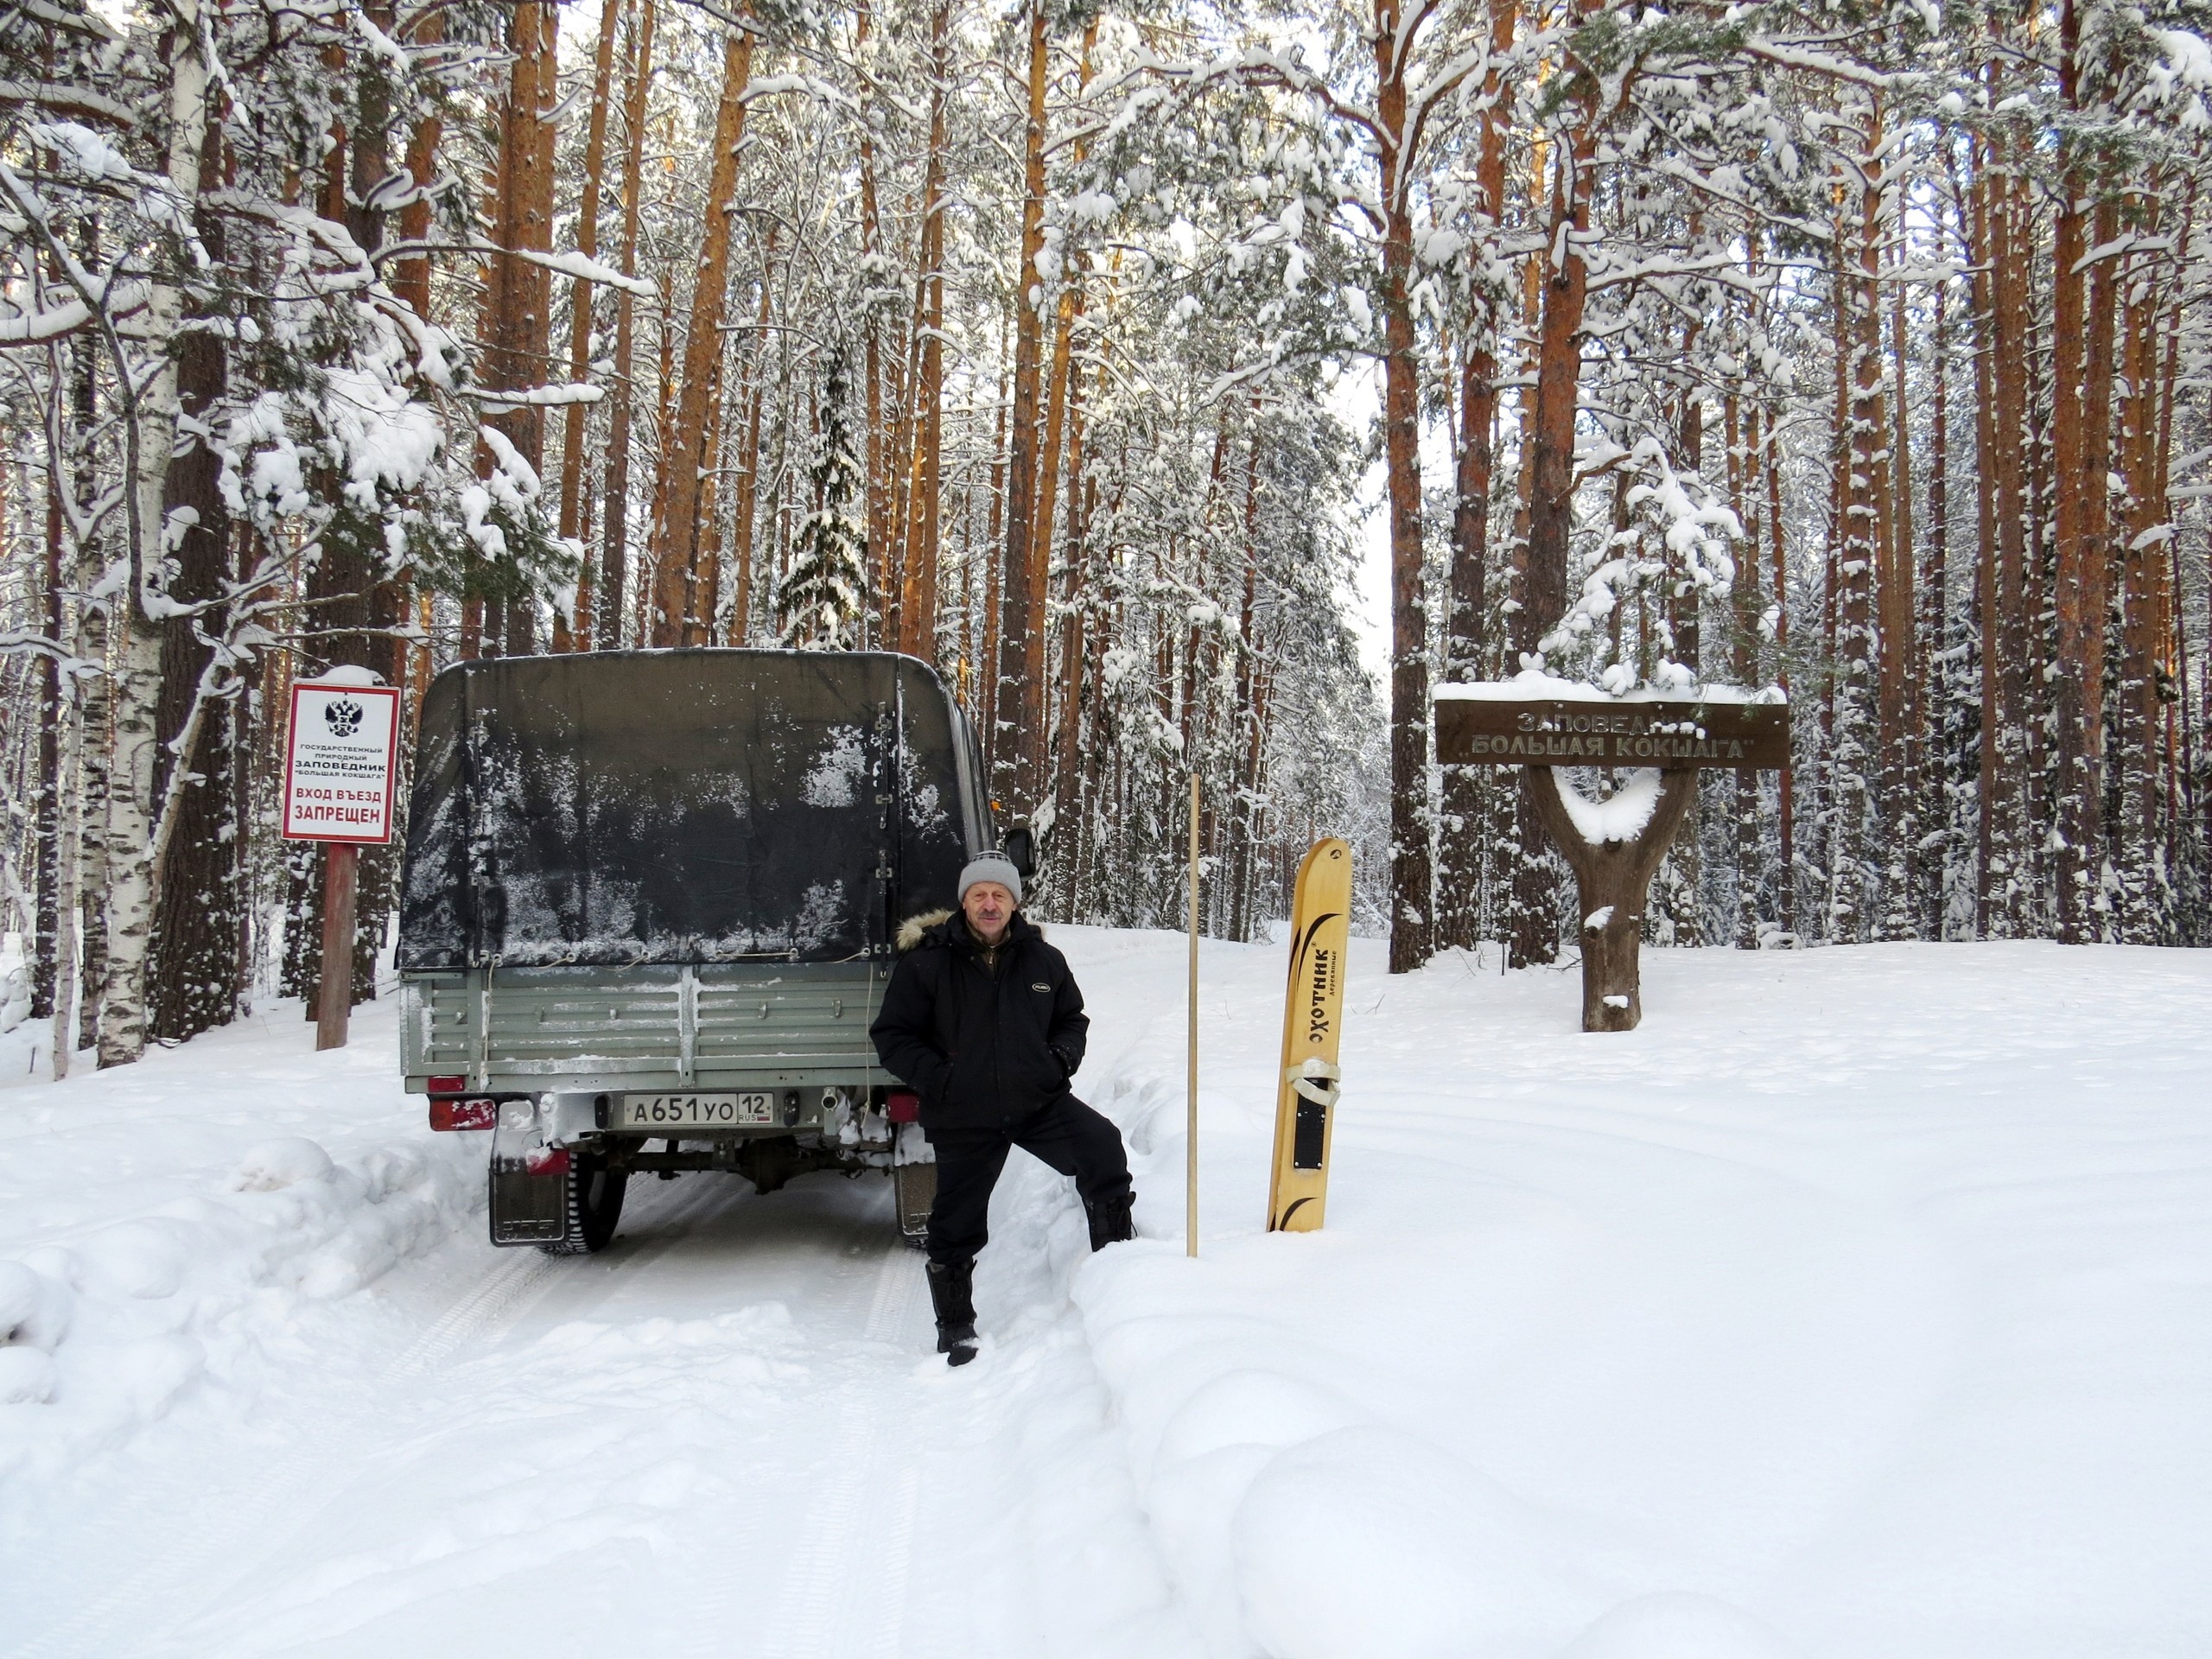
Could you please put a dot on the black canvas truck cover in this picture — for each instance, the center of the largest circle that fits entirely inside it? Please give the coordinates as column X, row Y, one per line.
column 682, row 806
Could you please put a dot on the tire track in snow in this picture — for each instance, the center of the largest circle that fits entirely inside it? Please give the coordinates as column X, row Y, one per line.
column 844, row 1593
column 156, row 1591
column 754, row 1538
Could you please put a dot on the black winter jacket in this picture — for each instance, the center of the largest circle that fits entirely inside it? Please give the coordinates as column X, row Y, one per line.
column 982, row 1051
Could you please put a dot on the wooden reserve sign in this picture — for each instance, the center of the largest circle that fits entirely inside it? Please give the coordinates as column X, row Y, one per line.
column 1564, row 731
column 1613, row 846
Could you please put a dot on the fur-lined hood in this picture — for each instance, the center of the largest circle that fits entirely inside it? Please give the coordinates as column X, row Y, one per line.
column 911, row 930
column 916, row 927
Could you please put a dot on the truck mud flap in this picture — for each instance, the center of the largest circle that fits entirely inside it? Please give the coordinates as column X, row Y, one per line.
column 527, row 1208
column 916, row 1187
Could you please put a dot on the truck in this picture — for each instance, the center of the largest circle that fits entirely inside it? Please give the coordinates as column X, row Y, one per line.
column 648, row 907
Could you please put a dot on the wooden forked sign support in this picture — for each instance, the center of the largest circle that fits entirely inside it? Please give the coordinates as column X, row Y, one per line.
column 1613, row 846
column 1612, row 879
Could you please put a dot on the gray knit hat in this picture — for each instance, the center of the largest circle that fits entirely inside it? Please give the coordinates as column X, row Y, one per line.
column 990, row 867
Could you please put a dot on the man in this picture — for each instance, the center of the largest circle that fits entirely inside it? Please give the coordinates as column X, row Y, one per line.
column 984, row 1020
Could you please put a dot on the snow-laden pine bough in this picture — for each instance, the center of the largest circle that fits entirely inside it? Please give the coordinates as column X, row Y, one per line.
column 649, row 910
column 1545, row 725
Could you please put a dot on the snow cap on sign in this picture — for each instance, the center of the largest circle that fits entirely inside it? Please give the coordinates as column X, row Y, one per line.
column 345, row 674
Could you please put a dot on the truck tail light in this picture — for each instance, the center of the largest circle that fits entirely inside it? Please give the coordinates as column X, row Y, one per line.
column 903, row 1106
column 463, row 1113
column 547, row 1160
column 448, row 1086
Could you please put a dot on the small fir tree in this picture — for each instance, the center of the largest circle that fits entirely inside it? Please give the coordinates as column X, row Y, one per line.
column 820, row 600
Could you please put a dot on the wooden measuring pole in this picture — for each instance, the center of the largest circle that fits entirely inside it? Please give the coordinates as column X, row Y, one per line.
column 1191, row 1082
column 334, row 1002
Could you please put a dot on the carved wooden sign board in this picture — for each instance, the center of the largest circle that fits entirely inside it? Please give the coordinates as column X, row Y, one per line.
column 1613, row 846
column 1560, row 732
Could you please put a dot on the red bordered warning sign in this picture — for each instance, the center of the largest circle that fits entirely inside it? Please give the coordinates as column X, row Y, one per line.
column 342, row 762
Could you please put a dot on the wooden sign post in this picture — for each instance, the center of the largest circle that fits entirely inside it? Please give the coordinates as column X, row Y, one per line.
column 339, row 766
column 1313, row 1028
column 1613, row 846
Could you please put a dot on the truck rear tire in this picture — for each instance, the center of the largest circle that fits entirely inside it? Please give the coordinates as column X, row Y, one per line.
column 595, row 1194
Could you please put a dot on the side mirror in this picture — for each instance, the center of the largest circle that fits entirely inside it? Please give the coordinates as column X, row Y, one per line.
column 1021, row 851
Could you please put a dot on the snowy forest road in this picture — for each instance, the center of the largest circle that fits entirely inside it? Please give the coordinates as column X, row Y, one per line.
column 1854, row 1304
column 713, row 1438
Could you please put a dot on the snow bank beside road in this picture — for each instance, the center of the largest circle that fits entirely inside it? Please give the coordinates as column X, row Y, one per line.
column 1856, row 1303
column 178, row 1222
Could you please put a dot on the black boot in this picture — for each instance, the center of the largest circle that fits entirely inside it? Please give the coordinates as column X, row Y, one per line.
column 1109, row 1219
column 952, row 1293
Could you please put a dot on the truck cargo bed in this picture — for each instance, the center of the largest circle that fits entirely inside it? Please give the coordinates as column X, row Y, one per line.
column 720, row 1025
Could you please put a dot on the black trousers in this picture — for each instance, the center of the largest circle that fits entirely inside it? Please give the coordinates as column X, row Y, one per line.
column 1064, row 1133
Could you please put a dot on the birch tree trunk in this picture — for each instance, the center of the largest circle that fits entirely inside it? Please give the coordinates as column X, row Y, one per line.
column 53, row 718
column 129, row 895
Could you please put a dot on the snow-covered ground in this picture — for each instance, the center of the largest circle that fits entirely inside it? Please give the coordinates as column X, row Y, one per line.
column 1860, row 1304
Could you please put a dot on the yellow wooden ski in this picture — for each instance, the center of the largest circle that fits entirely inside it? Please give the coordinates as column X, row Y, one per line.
column 1312, row 1023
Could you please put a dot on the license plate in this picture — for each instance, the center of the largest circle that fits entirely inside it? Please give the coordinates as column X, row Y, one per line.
column 695, row 1111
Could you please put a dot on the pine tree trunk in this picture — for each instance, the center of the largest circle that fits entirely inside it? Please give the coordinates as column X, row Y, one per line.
column 574, row 486
column 918, row 577
column 1787, row 784
column 1681, row 880
column 1461, row 859
column 1412, row 882
column 614, row 553
column 1018, row 713
column 516, row 318
column 1742, row 430
column 1863, row 529
column 2007, row 641
column 1073, row 627
column 1549, row 492
column 1048, row 474
column 882, row 575
column 2083, row 461
column 2077, row 603
column 2145, row 607
column 198, row 921
column 410, row 277
column 1938, row 756
column 1899, row 622
column 676, row 595
column 748, row 477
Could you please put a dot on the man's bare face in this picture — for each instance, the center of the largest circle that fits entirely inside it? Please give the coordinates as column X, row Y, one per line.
column 989, row 907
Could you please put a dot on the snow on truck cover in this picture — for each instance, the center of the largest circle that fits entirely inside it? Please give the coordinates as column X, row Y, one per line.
column 681, row 806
